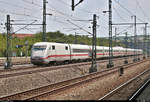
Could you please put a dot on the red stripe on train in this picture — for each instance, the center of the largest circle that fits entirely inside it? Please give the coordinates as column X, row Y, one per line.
column 77, row 55
column 70, row 55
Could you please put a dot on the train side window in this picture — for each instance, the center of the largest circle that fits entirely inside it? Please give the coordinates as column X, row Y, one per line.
column 66, row 47
column 53, row 47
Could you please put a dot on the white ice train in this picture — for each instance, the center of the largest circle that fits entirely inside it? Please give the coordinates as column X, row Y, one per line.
column 49, row 52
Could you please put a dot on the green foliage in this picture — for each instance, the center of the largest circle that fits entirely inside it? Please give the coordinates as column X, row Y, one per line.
column 51, row 37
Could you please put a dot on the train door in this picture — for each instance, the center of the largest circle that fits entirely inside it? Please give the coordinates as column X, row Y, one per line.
column 69, row 51
column 103, row 52
column 53, row 53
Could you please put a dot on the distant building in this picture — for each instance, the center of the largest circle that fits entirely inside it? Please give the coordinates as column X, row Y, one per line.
column 22, row 35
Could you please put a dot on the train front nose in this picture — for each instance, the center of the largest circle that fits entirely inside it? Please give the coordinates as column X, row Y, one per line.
column 37, row 60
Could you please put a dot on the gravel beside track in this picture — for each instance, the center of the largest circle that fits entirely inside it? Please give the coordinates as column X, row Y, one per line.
column 87, row 77
column 143, row 93
column 33, row 69
column 124, row 91
column 16, row 60
column 99, row 87
column 17, row 84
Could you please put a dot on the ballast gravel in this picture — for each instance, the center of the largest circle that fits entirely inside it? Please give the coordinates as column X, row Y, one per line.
column 22, row 83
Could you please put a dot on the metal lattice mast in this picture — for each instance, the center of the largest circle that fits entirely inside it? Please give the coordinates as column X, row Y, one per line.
column 145, row 39
column 110, row 35
column 94, row 66
column 44, row 21
column 135, row 38
column 8, row 52
column 148, row 51
column 126, row 40
column 115, row 36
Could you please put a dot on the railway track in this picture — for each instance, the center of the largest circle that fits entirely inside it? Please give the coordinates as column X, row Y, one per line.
column 31, row 67
column 123, row 90
column 35, row 69
column 16, row 61
column 2, row 61
column 136, row 95
column 38, row 93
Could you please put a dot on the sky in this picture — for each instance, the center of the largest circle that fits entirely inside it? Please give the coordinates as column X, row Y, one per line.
column 65, row 20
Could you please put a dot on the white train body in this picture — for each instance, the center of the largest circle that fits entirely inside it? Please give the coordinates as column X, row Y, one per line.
column 47, row 52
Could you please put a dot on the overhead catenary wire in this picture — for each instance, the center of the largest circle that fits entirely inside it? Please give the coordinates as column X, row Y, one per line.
column 25, row 26
column 118, row 14
column 14, row 5
column 51, row 9
column 142, row 10
column 40, row 7
column 125, row 29
column 57, row 11
column 129, row 12
column 79, row 27
column 83, row 10
column 18, row 6
column 20, row 14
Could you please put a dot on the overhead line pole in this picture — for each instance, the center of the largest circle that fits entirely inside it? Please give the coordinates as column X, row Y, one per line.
column 94, row 41
column 145, row 39
column 8, row 52
column 8, row 63
column 148, row 51
column 135, row 38
column 115, row 36
column 44, row 21
column 126, row 41
column 110, row 64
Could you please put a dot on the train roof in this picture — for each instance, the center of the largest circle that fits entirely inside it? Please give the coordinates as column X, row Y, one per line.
column 78, row 46
column 49, row 43
column 86, row 46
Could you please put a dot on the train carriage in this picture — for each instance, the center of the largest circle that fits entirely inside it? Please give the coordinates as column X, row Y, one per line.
column 38, row 53
column 106, row 51
column 100, row 51
column 79, row 51
column 58, row 52
column 48, row 52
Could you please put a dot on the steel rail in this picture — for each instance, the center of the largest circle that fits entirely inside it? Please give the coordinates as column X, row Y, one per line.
column 39, row 69
column 92, row 76
column 139, row 90
column 123, row 85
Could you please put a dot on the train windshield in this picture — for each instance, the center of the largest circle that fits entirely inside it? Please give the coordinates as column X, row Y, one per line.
column 39, row 48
